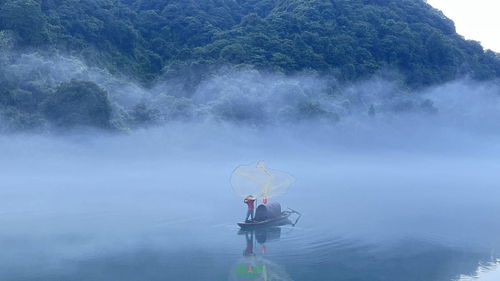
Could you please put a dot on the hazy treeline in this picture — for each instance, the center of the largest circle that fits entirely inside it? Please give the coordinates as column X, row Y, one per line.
column 59, row 92
column 62, row 92
column 135, row 63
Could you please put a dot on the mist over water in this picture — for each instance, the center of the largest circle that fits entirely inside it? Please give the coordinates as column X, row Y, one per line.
column 247, row 97
column 392, row 184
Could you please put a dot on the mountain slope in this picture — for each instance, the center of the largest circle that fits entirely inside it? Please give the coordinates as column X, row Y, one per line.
column 353, row 38
column 186, row 40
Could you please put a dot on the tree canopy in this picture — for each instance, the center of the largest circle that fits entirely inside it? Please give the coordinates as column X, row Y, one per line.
column 148, row 40
column 352, row 38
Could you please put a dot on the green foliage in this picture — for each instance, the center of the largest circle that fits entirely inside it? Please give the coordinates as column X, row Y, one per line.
column 26, row 18
column 142, row 114
column 78, row 103
column 314, row 110
column 188, row 39
column 353, row 38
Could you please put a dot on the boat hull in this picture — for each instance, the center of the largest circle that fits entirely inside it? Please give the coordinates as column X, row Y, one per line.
column 281, row 220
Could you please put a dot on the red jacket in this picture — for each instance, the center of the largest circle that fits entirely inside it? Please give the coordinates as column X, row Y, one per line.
column 249, row 202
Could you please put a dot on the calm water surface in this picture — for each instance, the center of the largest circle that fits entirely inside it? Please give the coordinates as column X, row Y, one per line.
column 91, row 214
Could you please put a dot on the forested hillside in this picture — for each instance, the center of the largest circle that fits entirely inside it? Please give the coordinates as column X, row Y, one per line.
column 151, row 39
column 353, row 38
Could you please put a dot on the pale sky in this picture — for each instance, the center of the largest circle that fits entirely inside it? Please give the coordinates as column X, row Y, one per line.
column 474, row 19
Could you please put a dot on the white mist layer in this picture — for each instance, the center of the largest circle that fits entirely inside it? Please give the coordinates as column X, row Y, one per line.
column 248, row 98
column 382, row 161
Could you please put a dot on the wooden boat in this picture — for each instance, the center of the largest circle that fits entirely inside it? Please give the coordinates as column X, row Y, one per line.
column 263, row 217
column 277, row 221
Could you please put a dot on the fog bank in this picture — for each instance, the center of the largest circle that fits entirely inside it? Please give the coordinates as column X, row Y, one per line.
column 244, row 97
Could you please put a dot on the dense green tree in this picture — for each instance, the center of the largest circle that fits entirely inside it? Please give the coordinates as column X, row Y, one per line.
column 354, row 38
column 186, row 40
column 142, row 114
column 78, row 103
column 26, row 18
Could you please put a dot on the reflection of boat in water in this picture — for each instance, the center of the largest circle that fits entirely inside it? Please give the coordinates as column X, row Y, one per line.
column 270, row 215
column 265, row 234
column 254, row 266
column 258, row 268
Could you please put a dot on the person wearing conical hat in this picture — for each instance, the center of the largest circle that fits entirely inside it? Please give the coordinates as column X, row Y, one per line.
column 249, row 200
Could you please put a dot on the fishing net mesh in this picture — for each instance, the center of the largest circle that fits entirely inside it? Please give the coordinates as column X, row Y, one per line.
column 259, row 181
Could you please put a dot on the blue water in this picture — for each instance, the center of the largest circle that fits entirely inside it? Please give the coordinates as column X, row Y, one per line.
column 111, row 211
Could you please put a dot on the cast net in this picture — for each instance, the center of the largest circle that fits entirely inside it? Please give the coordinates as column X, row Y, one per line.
column 259, row 181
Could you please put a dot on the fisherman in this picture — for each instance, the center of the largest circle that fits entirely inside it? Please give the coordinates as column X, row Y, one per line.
column 249, row 200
